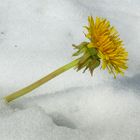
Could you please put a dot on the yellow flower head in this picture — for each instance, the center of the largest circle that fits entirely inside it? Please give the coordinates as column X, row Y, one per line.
column 109, row 46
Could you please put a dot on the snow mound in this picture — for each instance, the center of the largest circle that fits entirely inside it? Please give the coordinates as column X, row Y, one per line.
column 34, row 124
column 86, row 115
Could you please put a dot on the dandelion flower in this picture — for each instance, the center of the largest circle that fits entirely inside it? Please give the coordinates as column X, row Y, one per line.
column 105, row 39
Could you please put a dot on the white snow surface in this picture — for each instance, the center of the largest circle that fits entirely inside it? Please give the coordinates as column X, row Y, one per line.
column 35, row 39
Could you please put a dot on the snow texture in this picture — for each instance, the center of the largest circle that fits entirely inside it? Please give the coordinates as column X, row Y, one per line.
column 35, row 39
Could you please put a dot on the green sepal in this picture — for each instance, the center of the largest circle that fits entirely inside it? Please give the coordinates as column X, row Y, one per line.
column 81, row 48
column 89, row 59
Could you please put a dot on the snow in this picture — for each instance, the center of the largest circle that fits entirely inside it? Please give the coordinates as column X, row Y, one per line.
column 35, row 39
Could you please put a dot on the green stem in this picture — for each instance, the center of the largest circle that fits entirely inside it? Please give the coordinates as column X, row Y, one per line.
column 40, row 82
